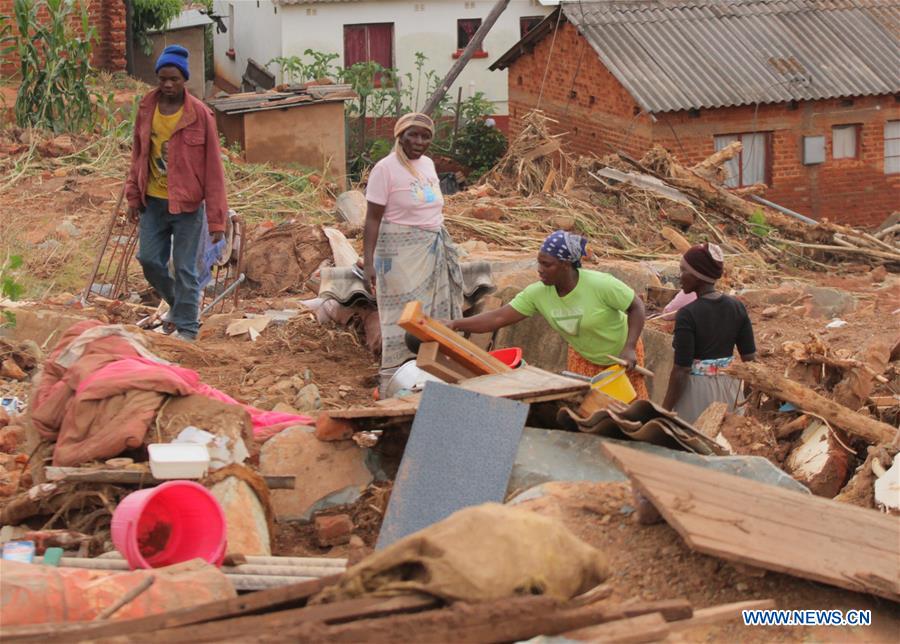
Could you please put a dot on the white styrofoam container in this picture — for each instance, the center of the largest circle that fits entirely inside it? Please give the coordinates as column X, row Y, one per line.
column 178, row 460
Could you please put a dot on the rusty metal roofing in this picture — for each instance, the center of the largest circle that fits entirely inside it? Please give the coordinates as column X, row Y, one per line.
column 676, row 55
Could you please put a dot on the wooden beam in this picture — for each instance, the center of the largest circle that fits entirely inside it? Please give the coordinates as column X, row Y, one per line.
column 651, row 627
column 136, row 477
column 721, row 613
column 466, row 353
column 336, row 613
column 769, row 527
column 431, row 360
column 473, row 46
column 805, row 399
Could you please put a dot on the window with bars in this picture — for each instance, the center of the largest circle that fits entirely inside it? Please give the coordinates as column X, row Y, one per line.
column 465, row 29
column 752, row 164
column 845, row 141
column 892, row 147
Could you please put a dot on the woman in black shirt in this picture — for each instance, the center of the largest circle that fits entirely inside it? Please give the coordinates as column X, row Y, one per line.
column 706, row 333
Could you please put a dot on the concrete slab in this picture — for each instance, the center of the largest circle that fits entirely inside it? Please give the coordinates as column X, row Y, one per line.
column 552, row 455
column 459, row 454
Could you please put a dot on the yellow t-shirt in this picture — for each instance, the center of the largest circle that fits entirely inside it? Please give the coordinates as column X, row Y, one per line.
column 161, row 130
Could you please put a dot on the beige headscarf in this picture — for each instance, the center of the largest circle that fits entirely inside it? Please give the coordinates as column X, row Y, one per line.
column 404, row 123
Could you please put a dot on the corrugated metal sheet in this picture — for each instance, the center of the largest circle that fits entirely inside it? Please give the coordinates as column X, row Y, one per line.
column 676, row 55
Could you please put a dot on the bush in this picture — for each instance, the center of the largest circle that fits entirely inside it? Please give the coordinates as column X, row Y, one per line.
column 152, row 15
column 479, row 147
column 54, row 65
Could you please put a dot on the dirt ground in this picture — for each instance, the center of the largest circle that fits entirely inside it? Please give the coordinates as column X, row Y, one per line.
column 653, row 563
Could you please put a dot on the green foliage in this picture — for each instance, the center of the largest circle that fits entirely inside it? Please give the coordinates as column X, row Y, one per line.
column 295, row 70
column 54, row 64
column 758, row 224
column 479, row 147
column 152, row 15
column 9, row 287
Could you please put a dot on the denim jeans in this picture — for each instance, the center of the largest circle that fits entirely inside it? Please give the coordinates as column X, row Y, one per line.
column 184, row 237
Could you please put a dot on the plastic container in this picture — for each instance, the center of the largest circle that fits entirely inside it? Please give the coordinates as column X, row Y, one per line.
column 178, row 460
column 165, row 525
column 614, row 382
column 406, row 379
column 511, row 357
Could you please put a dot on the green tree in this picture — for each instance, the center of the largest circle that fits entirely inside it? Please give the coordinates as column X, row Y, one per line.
column 152, row 15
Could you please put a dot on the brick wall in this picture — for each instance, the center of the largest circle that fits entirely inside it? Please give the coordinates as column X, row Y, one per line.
column 107, row 16
column 592, row 107
column 601, row 116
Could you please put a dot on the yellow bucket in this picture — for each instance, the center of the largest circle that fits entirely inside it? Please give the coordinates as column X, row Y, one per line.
column 615, row 383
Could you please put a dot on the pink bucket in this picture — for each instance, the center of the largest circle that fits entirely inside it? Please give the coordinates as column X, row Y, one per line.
column 173, row 522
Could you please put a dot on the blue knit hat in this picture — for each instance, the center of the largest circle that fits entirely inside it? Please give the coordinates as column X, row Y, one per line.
column 176, row 56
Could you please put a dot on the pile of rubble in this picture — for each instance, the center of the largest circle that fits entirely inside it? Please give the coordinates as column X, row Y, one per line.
column 312, row 474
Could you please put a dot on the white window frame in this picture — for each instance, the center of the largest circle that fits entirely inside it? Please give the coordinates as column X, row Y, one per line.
column 839, row 148
column 892, row 147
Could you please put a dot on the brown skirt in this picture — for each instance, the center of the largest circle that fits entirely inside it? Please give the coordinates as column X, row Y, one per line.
column 581, row 365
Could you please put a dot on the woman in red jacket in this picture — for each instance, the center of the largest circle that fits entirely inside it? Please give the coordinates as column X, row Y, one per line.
column 176, row 189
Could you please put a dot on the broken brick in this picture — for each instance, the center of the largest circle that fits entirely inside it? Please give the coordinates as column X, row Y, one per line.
column 10, row 438
column 333, row 530
column 332, row 429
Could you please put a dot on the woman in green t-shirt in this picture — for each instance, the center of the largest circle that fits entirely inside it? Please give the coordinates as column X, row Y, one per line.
column 595, row 313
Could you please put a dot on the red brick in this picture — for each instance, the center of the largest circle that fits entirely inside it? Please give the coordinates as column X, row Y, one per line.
column 333, row 530
column 332, row 429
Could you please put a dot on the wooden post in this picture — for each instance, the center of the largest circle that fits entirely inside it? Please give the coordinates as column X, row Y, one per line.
column 473, row 46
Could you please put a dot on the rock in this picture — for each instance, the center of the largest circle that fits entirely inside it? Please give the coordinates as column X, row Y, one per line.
column 878, row 274
column 11, row 437
column 679, row 214
column 4, row 418
column 887, row 487
column 327, row 473
column 284, row 408
column 284, row 386
column 49, row 245
column 68, row 229
column 9, row 369
column 59, row 146
column 39, row 325
column 783, row 295
column 828, row 303
column 333, row 530
column 563, row 222
column 332, row 429
column 351, row 207
column 308, row 399
column 818, row 461
column 245, row 517
column 486, row 212
column 472, row 246
column 770, row 311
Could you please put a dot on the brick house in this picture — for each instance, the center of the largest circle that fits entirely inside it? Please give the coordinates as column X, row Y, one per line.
column 107, row 16
column 810, row 87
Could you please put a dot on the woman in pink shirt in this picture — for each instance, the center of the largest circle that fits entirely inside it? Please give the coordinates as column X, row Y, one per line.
column 408, row 253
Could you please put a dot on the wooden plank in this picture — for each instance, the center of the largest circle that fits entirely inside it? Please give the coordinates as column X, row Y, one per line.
column 721, row 613
column 136, row 476
column 263, row 600
column 336, row 613
column 508, row 620
column 466, row 353
column 528, row 384
column 652, row 627
column 431, row 360
column 770, row 527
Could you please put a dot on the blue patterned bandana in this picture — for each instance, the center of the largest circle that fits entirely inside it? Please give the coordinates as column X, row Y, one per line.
column 565, row 246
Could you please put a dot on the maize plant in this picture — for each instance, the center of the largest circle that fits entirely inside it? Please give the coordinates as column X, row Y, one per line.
column 54, row 65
